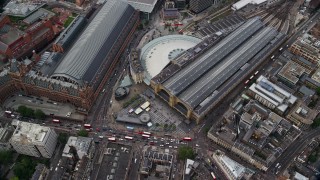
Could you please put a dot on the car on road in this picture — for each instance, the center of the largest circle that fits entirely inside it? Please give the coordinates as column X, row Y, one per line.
column 176, row 147
column 68, row 114
column 161, row 145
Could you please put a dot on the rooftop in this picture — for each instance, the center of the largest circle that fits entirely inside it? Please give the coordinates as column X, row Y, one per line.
column 292, row 72
column 302, row 113
column 69, row 31
column 199, row 81
column 81, row 144
column 39, row 14
column 16, row 8
column 298, row 176
column 27, row 133
column 316, row 75
column 158, row 53
column 11, row 35
column 242, row 3
column 84, row 60
column 143, row 5
column 273, row 93
column 115, row 162
column 236, row 169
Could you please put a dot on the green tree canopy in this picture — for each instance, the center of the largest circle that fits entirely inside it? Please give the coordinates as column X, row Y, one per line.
column 206, row 130
column 25, row 111
column 318, row 90
column 25, row 168
column 83, row 133
column 63, row 138
column 186, row 152
column 6, row 157
column 316, row 123
column 22, row 110
column 312, row 158
column 14, row 178
column 39, row 114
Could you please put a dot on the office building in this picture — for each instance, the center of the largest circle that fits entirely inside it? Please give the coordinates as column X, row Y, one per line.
column 271, row 95
column 301, row 115
column 291, row 73
column 34, row 140
column 308, row 47
column 6, row 132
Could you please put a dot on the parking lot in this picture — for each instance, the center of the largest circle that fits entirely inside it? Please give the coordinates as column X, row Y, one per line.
column 48, row 106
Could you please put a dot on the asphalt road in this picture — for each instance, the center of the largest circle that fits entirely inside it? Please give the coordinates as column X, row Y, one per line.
column 296, row 147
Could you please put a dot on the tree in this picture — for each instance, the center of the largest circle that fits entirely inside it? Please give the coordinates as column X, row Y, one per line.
column 312, row 158
column 206, row 130
column 157, row 124
column 146, row 23
column 83, row 133
column 25, row 168
column 22, row 110
column 165, row 127
column 6, row 157
column 318, row 90
column 140, row 27
column 14, row 178
column 29, row 112
column 39, row 114
column 173, row 127
column 63, row 138
column 316, row 123
column 186, row 152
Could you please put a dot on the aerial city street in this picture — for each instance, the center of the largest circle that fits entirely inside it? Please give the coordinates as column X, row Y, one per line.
column 160, row 89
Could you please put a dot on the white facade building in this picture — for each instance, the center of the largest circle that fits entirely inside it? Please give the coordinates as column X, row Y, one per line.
column 271, row 95
column 81, row 144
column 34, row 140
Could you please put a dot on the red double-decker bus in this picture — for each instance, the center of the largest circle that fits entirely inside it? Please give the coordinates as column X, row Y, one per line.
column 145, row 135
column 87, row 126
column 187, row 139
column 56, row 121
column 128, row 137
column 113, row 139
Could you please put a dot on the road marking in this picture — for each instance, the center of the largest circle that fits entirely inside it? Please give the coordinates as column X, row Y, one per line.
column 201, row 128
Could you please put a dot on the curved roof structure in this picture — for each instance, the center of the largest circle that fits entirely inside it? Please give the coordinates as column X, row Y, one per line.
column 89, row 52
column 143, row 5
column 157, row 53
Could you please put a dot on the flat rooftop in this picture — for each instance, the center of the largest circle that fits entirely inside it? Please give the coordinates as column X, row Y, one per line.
column 316, row 76
column 81, row 144
column 236, row 169
column 273, row 93
column 27, row 133
column 115, row 161
column 11, row 36
column 292, row 72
